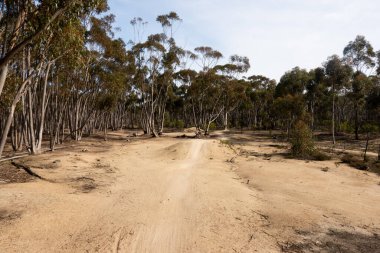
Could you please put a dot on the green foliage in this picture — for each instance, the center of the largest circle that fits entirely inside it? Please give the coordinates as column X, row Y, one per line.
column 167, row 121
column 174, row 123
column 370, row 128
column 293, row 82
column 227, row 143
column 302, row 144
column 289, row 108
column 337, row 73
column 302, row 140
column 179, row 124
column 106, row 102
column 213, row 126
column 355, row 162
column 359, row 53
column 346, row 127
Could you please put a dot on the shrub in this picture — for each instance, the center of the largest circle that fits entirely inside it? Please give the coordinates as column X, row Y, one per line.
column 179, row 124
column 346, row 127
column 320, row 156
column 302, row 140
column 167, row 121
column 212, row 126
column 355, row 162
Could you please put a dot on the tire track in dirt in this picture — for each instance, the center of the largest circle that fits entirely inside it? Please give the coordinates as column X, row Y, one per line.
column 168, row 230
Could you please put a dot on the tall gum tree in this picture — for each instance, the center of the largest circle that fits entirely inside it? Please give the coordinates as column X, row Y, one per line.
column 359, row 54
column 338, row 75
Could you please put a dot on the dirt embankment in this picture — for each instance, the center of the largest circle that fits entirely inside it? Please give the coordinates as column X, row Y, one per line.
column 189, row 195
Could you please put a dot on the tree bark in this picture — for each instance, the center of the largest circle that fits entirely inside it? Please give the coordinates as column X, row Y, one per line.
column 11, row 113
column 333, row 117
column 43, row 110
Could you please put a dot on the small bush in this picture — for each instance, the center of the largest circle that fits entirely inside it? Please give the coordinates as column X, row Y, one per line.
column 303, row 144
column 179, row 124
column 346, row 127
column 212, row 126
column 320, row 156
column 225, row 142
column 167, row 120
column 355, row 162
column 302, row 140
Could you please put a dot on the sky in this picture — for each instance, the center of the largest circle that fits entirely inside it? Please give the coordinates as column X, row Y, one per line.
column 276, row 35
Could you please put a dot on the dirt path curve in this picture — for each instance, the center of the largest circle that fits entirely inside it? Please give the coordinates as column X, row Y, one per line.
column 165, row 195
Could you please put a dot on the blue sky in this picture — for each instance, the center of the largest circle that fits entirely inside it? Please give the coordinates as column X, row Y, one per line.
column 276, row 35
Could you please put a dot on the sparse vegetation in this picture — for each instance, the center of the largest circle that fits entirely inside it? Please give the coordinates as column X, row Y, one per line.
column 302, row 140
column 358, row 163
column 302, row 143
column 355, row 162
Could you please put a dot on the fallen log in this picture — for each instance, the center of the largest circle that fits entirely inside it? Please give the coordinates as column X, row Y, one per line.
column 27, row 169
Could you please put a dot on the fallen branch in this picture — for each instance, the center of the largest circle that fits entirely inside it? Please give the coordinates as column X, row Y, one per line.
column 27, row 169
column 26, row 154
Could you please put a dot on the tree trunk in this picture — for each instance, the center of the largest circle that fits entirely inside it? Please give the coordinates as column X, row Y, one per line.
column 32, row 137
column 333, row 117
column 226, row 121
column 356, row 123
column 43, row 110
column 366, row 148
column 3, row 77
column 11, row 113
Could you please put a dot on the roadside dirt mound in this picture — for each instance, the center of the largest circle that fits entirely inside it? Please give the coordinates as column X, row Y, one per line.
column 11, row 174
column 190, row 130
column 177, row 151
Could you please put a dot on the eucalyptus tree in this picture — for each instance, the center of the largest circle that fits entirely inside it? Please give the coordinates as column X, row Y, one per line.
column 205, row 93
column 233, row 89
column 289, row 94
column 338, row 75
column 315, row 92
column 378, row 63
column 359, row 54
column 293, row 82
column 184, row 79
column 372, row 103
column 361, row 86
column 171, row 61
column 32, row 34
column 288, row 109
column 207, row 58
column 147, row 58
column 22, row 22
column 260, row 91
column 168, row 23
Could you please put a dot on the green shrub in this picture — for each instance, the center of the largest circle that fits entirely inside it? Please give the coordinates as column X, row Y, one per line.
column 302, row 140
column 346, row 127
column 212, row 126
column 355, row 162
column 179, row 124
column 320, row 156
column 167, row 121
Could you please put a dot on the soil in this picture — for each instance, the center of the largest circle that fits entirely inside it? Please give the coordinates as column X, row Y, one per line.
column 229, row 193
column 11, row 174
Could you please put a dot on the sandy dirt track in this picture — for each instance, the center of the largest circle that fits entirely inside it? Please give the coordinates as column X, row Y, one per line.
column 186, row 195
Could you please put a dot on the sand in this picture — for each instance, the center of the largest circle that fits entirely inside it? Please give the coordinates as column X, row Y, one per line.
column 188, row 195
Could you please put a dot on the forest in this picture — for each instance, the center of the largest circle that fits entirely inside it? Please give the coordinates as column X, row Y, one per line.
column 65, row 75
column 163, row 148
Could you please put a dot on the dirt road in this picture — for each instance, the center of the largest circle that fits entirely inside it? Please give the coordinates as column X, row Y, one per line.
column 151, row 196
column 165, row 195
